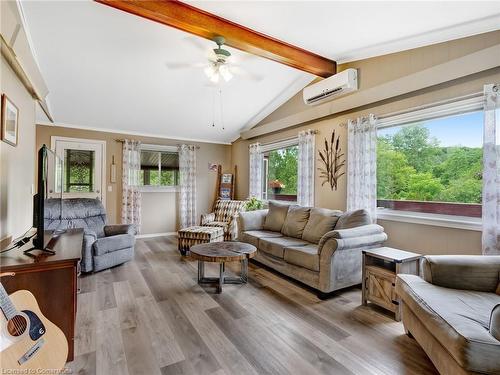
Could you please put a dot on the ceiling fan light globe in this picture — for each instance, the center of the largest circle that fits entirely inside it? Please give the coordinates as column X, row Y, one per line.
column 210, row 71
column 226, row 74
column 214, row 78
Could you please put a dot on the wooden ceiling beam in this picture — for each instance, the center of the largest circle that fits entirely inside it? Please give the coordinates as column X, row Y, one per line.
column 198, row 22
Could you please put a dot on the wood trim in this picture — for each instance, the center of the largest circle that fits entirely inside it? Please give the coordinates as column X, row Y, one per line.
column 198, row 22
column 443, row 208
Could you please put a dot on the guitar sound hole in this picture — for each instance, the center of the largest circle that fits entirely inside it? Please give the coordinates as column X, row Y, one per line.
column 17, row 325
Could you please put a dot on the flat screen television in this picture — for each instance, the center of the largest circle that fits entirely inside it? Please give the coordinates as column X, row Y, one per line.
column 49, row 190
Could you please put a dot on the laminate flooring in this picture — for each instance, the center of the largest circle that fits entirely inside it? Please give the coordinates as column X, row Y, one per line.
column 149, row 316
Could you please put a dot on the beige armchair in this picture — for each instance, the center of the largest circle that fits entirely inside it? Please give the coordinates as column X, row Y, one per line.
column 448, row 312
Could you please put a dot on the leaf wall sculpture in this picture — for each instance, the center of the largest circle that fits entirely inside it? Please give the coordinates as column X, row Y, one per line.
column 332, row 162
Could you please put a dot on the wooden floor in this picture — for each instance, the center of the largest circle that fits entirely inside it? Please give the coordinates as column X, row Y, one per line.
column 150, row 317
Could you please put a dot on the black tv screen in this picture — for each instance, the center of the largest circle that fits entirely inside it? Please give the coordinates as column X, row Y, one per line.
column 49, row 187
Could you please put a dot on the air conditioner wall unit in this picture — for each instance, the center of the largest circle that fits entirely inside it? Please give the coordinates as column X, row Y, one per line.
column 337, row 85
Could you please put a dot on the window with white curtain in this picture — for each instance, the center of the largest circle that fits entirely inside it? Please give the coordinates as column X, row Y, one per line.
column 431, row 161
column 279, row 171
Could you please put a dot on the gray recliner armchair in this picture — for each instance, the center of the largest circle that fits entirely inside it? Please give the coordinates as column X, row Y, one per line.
column 104, row 246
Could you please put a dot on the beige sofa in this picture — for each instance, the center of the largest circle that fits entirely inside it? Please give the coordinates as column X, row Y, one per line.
column 449, row 311
column 318, row 247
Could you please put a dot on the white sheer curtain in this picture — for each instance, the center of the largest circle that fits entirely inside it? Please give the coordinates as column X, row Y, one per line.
column 305, row 176
column 131, row 195
column 362, row 165
column 491, row 171
column 255, row 175
column 187, row 196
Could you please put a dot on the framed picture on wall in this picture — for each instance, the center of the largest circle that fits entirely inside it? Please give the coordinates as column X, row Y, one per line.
column 10, row 117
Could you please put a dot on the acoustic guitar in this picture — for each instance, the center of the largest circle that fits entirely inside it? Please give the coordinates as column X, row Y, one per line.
column 28, row 340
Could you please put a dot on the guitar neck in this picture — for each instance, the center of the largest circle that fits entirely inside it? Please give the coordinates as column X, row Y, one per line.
column 6, row 305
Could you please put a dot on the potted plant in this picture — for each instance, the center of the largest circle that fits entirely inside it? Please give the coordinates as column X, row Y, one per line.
column 276, row 186
column 254, row 204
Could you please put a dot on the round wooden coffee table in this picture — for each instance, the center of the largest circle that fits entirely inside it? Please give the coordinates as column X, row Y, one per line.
column 222, row 252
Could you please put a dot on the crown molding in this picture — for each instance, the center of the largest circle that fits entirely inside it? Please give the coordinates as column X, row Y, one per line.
column 128, row 132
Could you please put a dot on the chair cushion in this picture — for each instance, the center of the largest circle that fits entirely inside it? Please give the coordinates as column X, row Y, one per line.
column 276, row 216
column 295, row 221
column 222, row 224
column 303, row 256
column 495, row 322
column 252, row 236
column 276, row 246
column 321, row 220
column 458, row 319
column 353, row 219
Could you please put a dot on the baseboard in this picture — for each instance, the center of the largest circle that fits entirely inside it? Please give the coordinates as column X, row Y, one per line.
column 156, row 235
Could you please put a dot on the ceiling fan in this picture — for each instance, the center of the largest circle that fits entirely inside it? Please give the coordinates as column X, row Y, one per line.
column 220, row 64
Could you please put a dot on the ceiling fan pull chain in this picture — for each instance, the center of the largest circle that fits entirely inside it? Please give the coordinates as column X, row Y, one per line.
column 213, row 108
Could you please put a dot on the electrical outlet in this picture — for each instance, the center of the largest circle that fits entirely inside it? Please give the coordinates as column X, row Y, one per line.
column 110, row 188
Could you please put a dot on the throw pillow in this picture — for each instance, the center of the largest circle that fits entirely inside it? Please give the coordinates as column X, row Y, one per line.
column 353, row 219
column 276, row 216
column 495, row 322
column 295, row 221
column 321, row 220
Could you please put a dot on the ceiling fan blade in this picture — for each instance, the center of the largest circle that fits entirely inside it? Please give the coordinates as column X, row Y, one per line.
column 196, row 42
column 243, row 58
column 174, row 66
column 239, row 71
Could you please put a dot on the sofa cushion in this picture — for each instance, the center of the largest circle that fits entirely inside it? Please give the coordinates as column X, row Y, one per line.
column 321, row 220
column 295, row 221
column 252, row 236
column 458, row 319
column 353, row 219
column 276, row 246
column 304, row 256
column 276, row 216
column 495, row 322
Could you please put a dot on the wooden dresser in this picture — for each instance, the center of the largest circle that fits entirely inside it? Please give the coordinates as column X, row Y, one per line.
column 51, row 279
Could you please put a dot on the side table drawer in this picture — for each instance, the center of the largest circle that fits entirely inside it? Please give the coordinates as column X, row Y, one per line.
column 380, row 287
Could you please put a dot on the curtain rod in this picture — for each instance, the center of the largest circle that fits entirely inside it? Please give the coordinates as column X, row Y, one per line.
column 424, row 106
column 177, row 144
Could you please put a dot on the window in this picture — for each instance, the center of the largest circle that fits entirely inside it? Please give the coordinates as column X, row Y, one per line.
column 159, row 168
column 432, row 166
column 79, row 171
column 280, row 174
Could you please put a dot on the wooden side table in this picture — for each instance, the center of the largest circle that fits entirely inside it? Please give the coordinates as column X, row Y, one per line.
column 380, row 267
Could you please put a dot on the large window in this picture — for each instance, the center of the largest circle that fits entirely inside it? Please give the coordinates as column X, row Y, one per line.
column 159, row 168
column 280, row 174
column 432, row 166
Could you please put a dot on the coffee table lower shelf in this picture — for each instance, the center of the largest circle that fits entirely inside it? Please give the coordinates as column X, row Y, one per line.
column 222, row 279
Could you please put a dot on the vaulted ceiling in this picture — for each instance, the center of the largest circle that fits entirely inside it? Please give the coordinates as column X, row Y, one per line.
column 110, row 70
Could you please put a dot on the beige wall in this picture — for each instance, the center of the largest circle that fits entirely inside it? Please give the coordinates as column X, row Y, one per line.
column 17, row 164
column 159, row 211
column 372, row 72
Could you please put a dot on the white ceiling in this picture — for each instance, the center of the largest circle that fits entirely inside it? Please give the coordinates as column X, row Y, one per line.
column 106, row 69
column 352, row 30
